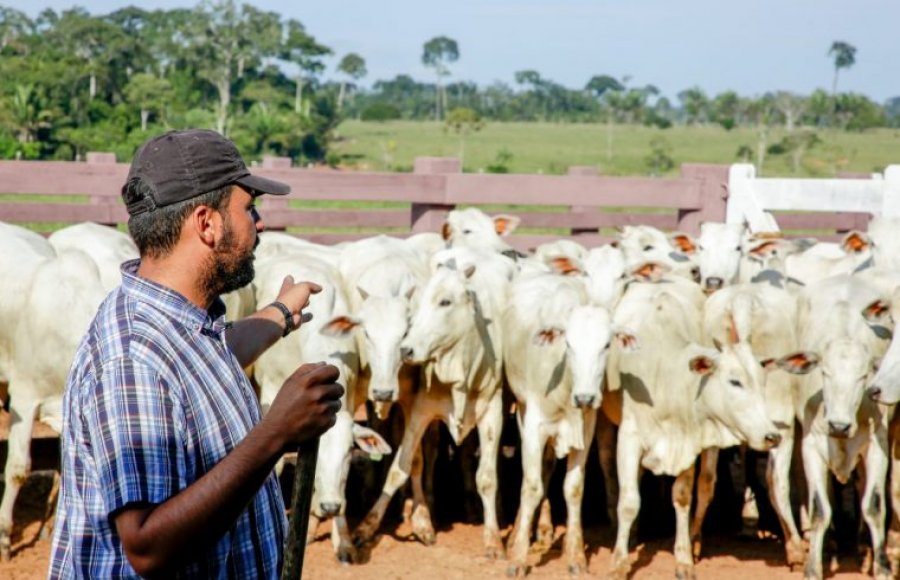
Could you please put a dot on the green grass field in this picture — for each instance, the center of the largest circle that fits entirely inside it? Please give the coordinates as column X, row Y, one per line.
column 551, row 148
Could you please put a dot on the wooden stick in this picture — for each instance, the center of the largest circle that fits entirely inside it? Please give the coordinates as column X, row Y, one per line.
column 304, row 480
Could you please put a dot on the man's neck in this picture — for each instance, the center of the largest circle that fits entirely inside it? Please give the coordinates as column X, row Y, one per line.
column 180, row 275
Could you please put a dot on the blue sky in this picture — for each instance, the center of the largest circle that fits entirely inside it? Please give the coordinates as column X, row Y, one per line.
column 750, row 47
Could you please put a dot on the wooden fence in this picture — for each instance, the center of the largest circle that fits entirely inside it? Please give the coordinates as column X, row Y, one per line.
column 329, row 206
column 324, row 205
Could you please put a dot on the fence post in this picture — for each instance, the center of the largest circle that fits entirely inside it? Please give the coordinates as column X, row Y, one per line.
column 105, row 201
column 890, row 205
column 713, row 186
column 583, row 171
column 430, row 217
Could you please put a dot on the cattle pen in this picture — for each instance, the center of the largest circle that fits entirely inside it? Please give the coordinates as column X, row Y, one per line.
column 330, row 206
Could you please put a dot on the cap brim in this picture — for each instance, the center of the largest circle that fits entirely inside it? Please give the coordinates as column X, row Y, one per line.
column 259, row 184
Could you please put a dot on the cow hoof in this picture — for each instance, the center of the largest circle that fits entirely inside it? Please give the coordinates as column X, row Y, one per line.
column 361, row 539
column 516, row 570
column 4, row 551
column 576, row 569
column 426, row 536
column 619, row 571
column 346, row 555
column 684, row 572
column 493, row 553
column 795, row 555
column 696, row 547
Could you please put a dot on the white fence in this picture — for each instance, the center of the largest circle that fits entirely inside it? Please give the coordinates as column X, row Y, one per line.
column 751, row 198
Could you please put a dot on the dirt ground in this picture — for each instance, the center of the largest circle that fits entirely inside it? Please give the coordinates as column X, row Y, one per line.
column 457, row 553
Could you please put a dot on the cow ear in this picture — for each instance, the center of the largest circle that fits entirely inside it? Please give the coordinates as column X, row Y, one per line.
column 798, row 363
column 650, row 272
column 564, row 265
column 856, row 242
column 764, row 250
column 362, row 293
column 878, row 312
column 547, row 336
column 683, row 243
column 446, row 232
column 370, row 442
column 626, row 339
column 505, row 224
column 340, row 326
column 702, row 365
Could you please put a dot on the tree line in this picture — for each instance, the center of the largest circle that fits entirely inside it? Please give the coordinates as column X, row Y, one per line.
column 76, row 82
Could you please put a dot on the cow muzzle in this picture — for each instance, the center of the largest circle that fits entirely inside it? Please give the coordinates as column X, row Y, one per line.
column 839, row 430
column 584, row 401
column 330, row 508
column 772, row 439
column 713, row 284
column 382, row 396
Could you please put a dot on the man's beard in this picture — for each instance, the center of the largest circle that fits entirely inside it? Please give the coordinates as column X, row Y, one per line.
column 227, row 270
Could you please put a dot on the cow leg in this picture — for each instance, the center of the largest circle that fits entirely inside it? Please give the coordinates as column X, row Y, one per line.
column 52, row 498
column 893, row 544
column 344, row 549
column 533, row 443
column 18, row 465
column 397, row 476
column 606, row 449
column 420, row 516
column 706, row 487
column 682, row 490
column 873, row 504
column 544, row 539
column 573, row 489
column 628, row 463
column 489, row 429
column 778, row 478
column 817, row 479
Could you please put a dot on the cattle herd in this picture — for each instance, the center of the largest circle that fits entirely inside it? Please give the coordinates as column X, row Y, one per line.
column 663, row 347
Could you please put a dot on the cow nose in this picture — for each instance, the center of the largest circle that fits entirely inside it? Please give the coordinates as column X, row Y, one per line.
column 714, row 283
column 874, row 393
column 584, row 401
column 406, row 353
column 773, row 439
column 330, row 508
column 382, row 396
column 839, row 430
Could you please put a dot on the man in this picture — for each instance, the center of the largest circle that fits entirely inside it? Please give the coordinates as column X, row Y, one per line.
column 167, row 464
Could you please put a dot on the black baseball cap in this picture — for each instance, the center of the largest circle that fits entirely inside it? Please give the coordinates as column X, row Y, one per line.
column 180, row 165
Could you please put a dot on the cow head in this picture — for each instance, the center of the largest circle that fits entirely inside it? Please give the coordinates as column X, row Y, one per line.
column 471, row 227
column 846, row 368
column 719, row 249
column 732, row 393
column 640, row 244
column 444, row 314
column 605, row 269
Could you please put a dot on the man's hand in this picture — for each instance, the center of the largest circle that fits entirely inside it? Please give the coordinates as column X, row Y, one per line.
column 306, row 406
column 295, row 295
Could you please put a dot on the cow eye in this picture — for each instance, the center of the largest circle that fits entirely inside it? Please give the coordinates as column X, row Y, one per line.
column 467, row 232
column 648, row 248
column 735, row 383
column 607, row 345
column 699, row 247
column 737, row 248
column 444, row 302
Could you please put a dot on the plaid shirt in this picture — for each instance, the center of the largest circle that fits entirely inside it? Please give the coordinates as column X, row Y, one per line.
column 154, row 400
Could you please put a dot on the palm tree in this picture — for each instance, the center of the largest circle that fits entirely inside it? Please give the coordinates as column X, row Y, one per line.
column 353, row 66
column 844, row 55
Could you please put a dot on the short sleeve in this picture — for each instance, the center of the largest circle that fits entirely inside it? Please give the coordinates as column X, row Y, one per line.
column 135, row 427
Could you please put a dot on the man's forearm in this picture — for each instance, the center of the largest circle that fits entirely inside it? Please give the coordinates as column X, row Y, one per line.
column 157, row 538
column 250, row 337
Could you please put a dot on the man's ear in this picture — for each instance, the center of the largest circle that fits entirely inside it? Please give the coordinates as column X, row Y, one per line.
column 207, row 224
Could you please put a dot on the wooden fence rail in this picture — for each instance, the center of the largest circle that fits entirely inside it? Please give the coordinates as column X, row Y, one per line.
column 579, row 205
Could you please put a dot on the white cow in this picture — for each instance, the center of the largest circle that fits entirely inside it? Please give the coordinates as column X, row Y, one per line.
column 22, row 252
column 107, row 246
column 554, row 353
column 274, row 244
column 678, row 398
column 824, row 260
column 455, row 334
column 842, row 320
column 472, row 228
column 677, row 251
column 319, row 339
column 764, row 317
column 720, row 249
column 58, row 303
